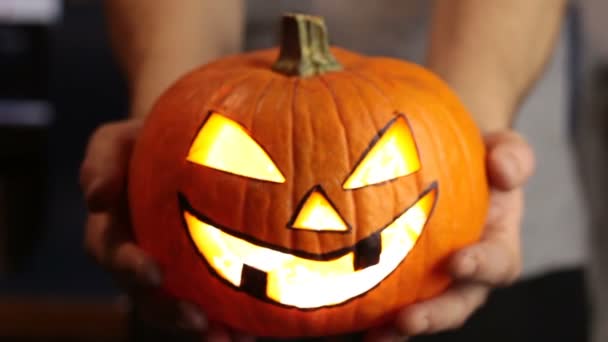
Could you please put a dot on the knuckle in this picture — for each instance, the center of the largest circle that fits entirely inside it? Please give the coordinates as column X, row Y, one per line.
column 500, row 264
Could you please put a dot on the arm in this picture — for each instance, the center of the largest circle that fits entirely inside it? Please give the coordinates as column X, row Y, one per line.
column 157, row 41
column 492, row 52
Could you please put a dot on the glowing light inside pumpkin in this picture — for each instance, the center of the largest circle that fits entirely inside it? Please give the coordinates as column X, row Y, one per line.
column 319, row 215
column 306, row 283
column 394, row 155
column 224, row 145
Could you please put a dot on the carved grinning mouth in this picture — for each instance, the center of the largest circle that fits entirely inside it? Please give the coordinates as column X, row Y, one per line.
column 305, row 280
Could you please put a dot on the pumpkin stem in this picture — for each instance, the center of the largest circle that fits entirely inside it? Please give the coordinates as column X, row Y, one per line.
column 304, row 47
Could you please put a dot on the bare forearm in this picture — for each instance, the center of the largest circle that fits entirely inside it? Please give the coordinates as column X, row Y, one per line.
column 157, row 41
column 492, row 51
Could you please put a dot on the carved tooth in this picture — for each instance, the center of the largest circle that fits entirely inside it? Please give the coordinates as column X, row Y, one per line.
column 254, row 281
column 367, row 252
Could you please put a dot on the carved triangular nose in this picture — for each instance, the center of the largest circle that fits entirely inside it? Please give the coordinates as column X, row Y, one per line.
column 317, row 213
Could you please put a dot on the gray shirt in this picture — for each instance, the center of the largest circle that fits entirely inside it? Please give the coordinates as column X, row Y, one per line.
column 592, row 140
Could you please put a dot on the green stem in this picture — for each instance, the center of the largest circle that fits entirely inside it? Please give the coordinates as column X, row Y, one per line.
column 304, row 47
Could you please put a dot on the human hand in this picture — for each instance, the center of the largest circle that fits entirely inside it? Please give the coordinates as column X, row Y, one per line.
column 495, row 261
column 109, row 241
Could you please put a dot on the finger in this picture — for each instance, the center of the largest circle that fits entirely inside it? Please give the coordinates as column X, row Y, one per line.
column 496, row 260
column 108, row 241
column 447, row 312
column 510, row 160
column 492, row 262
column 104, row 169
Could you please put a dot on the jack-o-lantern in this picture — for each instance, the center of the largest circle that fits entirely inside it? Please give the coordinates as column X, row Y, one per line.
column 314, row 195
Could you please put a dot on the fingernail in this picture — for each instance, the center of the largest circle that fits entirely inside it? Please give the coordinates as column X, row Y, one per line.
column 192, row 317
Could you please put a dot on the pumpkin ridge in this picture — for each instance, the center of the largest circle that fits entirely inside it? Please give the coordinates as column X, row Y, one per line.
column 445, row 174
column 460, row 140
column 253, row 76
column 217, row 98
column 216, row 102
column 378, row 130
column 259, row 97
column 419, row 182
column 420, row 186
column 383, row 94
column 373, row 85
column 429, row 93
column 426, row 130
column 354, row 199
column 391, row 104
column 207, row 105
column 456, row 132
column 294, row 200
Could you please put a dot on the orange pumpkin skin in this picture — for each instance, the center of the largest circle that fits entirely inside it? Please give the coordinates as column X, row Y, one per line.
column 315, row 129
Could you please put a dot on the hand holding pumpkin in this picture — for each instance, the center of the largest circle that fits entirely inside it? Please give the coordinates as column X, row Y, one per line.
column 108, row 233
column 494, row 261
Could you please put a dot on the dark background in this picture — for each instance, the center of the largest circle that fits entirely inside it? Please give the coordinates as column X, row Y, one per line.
column 82, row 83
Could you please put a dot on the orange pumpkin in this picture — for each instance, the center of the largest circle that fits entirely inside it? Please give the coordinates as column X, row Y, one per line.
column 314, row 195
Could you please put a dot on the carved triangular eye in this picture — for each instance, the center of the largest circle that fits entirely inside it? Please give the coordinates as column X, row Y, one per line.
column 392, row 155
column 223, row 144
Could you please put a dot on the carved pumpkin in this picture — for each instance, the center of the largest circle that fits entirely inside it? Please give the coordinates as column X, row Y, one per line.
column 310, row 196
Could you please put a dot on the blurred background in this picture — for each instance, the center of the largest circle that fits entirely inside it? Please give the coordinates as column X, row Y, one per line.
column 58, row 81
